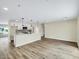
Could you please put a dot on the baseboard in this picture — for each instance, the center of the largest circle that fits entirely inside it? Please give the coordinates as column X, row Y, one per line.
column 69, row 42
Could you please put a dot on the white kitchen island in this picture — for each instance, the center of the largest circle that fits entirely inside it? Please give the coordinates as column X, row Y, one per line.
column 22, row 39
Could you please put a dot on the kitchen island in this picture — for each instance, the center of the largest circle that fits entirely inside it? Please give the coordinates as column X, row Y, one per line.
column 22, row 39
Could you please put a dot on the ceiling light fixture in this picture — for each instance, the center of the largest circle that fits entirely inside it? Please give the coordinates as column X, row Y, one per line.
column 20, row 2
column 16, row 20
column 6, row 9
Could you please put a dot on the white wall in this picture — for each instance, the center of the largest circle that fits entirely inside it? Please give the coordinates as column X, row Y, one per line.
column 78, row 31
column 62, row 30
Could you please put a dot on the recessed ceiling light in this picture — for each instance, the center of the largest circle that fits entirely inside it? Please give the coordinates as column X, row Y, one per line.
column 6, row 9
column 16, row 20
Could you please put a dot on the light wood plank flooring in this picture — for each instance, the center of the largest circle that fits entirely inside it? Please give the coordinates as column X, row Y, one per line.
column 43, row 49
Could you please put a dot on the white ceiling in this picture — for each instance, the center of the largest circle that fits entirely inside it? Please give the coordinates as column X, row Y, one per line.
column 38, row 10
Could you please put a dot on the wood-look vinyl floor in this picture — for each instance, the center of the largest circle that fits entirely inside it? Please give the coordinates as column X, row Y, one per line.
column 43, row 49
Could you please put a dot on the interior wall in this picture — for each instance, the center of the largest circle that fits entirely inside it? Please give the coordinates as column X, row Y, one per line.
column 78, row 31
column 62, row 30
column 40, row 29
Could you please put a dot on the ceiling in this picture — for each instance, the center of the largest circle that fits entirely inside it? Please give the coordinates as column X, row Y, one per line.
column 38, row 10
